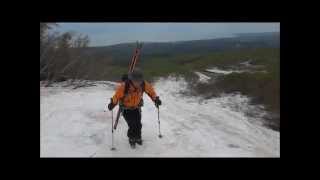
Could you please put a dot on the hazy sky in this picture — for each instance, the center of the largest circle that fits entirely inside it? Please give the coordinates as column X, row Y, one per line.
column 113, row 33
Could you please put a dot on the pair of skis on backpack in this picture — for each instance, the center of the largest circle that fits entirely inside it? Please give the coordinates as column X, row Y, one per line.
column 125, row 76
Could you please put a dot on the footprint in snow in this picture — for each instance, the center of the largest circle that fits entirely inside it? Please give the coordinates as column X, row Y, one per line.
column 233, row 146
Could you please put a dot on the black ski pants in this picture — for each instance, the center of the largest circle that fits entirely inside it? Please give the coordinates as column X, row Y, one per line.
column 133, row 119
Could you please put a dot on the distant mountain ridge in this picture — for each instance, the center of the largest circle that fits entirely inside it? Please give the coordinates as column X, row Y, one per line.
column 124, row 51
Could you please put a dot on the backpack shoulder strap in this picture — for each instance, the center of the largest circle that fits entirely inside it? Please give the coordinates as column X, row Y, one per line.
column 126, row 87
column 143, row 86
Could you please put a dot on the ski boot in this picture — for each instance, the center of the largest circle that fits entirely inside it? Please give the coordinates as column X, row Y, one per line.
column 132, row 143
column 139, row 141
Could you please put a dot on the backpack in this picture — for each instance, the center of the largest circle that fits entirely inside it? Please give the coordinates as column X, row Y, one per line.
column 126, row 90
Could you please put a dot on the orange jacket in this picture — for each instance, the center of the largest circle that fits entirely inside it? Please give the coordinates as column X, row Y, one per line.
column 134, row 95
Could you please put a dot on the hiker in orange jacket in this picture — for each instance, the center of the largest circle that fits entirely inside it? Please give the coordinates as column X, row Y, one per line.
column 129, row 96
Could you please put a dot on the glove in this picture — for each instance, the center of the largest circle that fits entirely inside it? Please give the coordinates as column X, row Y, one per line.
column 157, row 101
column 111, row 105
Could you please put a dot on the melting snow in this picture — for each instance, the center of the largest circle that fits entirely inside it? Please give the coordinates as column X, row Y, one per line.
column 219, row 71
column 74, row 124
column 202, row 77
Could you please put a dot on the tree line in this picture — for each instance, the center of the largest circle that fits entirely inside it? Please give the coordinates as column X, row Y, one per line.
column 59, row 55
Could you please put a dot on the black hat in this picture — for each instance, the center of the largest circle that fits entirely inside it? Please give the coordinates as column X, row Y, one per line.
column 136, row 75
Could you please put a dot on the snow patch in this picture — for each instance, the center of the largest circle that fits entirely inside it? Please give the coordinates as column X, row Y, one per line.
column 202, row 77
column 74, row 123
column 219, row 71
column 246, row 63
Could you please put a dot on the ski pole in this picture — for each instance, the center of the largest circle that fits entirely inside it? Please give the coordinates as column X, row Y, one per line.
column 160, row 136
column 112, row 148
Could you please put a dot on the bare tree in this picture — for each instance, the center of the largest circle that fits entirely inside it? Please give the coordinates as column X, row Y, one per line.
column 81, row 41
column 60, row 55
column 44, row 28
